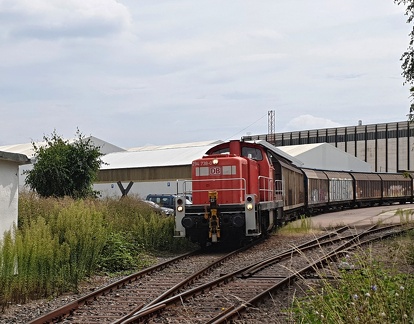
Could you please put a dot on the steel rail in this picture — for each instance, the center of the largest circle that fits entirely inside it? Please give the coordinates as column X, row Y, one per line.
column 71, row 307
column 149, row 311
column 68, row 309
column 333, row 255
column 159, row 304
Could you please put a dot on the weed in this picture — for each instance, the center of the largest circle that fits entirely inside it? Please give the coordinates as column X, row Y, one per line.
column 60, row 242
column 366, row 291
column 302, row 225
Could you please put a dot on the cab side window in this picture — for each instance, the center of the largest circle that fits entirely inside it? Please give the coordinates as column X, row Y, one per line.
column 222, row 151
column 252, row 153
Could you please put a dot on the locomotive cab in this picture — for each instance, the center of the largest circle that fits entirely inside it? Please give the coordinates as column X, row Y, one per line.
column 228, row 186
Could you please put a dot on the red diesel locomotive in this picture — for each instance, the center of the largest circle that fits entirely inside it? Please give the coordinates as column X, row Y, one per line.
column 241, row 190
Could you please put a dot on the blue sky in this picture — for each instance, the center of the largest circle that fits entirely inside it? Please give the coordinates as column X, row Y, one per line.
column 137, row 72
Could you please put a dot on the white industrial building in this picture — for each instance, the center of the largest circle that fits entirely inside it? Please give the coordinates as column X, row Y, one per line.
column 155, row 169
column 387, row 147
column 325, row 156
column 9, row 188
column 144, row 170
column 149, row 169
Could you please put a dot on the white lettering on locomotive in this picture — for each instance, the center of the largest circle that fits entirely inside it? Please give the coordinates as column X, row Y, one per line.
column 215, row 170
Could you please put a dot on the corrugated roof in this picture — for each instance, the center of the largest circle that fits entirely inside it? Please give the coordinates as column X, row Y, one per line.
column 27, row 148
column 157, row 156
column 174, row 146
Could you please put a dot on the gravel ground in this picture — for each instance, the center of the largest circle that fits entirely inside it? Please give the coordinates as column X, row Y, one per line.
column 270, row 312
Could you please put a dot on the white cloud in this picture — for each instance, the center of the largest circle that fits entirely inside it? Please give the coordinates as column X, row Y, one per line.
column 310, row 122
column 57, row 19
column 181, row 70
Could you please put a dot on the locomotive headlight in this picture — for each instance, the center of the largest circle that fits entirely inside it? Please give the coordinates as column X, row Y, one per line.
column 180, row 224
column 215, row 161
column 249, row 206
column 180, row 204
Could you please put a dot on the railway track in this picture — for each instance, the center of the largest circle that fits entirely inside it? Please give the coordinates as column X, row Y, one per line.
column 122, row 298
column 204, row 287
column 231, row 296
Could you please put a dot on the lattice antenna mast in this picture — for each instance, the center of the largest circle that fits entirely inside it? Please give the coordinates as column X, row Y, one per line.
column 271, row 124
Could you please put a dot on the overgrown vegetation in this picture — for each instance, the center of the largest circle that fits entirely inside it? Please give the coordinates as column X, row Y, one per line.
column 61, row 241
column 372, row 286
column 366, row 292
column 303, row 225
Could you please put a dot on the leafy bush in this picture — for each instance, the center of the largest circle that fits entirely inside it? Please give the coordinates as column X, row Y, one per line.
column 63, row 168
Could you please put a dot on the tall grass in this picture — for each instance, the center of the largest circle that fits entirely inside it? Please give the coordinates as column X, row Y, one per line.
column 405, row 215
column 150, row 230
column 367, row 290
column 59, row 242
column 300, row 226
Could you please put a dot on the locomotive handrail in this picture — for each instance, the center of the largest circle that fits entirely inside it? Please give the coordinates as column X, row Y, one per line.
column 268, row 190
column 271, row 192
column 279, row 190
column 192, row 191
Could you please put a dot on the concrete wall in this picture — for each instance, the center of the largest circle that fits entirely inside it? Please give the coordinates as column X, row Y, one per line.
column 140, row 188
column 9, row 194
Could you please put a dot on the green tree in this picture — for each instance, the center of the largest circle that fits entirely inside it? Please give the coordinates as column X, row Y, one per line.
column 63, row 168
column 407, row 57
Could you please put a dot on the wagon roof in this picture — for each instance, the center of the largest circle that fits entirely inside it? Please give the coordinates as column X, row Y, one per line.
column 366, row 176
column 314, row 174
column 394, row 176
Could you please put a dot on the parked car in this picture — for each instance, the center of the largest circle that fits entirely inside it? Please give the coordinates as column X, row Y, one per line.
column 165, row 200
column 162, row 210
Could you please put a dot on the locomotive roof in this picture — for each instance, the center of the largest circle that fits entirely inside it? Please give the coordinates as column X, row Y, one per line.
column 278, row 152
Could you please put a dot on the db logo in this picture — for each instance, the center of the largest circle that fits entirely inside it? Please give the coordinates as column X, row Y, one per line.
column 215, row 171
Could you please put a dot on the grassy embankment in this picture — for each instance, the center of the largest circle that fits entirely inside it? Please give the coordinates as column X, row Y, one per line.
column 60, row 242
column 375, row 285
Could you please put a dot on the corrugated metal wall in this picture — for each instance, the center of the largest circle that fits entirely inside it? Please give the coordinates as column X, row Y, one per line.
column 386, row 147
